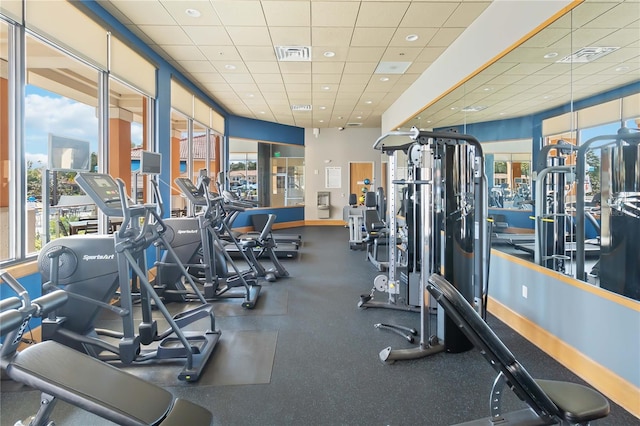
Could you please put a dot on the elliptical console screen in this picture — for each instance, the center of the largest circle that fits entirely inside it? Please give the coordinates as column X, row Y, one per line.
column 191, row 191
column 103, row 190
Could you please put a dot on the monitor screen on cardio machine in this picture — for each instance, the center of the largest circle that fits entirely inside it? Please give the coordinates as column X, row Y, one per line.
column 191, row 191
column 103, row 190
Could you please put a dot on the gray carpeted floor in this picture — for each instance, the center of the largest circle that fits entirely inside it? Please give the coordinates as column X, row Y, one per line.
column 308, row 356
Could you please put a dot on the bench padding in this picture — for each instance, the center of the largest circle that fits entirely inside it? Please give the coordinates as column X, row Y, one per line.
column 94, row 386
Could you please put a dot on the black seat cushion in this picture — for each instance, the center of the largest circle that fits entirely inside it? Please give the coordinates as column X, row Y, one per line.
column 90, row 384
column 577, row 403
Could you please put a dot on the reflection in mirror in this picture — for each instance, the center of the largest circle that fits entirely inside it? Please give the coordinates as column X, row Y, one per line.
column 270, row 174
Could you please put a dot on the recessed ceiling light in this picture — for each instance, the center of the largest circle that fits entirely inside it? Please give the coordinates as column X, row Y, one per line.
column 359, row 117
column 323, row 107
column 411, row 37
column 322, row 121
column 368, row 102
column 193, row 13
column 340, row 118
column 384, row 78
column 453, row 108
column 428, row 121
column 261, row 112
column 230, row 67
column 418, row 118
column 250, row 95
column 550, row 55
column 329, row 54
column 547, row 97
column 622, row 69
column 487, row 89
column 502, row 113
column 326, row 87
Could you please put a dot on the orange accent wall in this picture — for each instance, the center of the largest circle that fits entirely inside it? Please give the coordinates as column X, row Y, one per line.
column 4, row 142
column 120, row 150
column 175, row 163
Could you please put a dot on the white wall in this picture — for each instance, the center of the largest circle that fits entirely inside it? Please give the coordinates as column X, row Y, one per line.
column 340, row 147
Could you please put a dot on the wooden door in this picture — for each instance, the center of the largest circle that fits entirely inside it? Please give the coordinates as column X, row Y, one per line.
column 359, row 173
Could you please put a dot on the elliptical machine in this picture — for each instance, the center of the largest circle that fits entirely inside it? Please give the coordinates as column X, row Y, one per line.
column 197, row 245
column 91, row 269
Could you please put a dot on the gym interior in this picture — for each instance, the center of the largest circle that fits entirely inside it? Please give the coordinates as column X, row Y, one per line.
column 319, row 212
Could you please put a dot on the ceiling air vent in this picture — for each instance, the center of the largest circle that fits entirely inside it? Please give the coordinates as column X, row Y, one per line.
column 587, row 54
column 301, row 108
column 293, row 53
column 353, row 125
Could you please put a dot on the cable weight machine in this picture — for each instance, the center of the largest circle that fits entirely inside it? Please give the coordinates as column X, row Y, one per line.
column 450, row 234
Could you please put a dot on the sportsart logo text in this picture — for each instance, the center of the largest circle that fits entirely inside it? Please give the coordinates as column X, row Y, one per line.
column 188, row 231
column 99, row 257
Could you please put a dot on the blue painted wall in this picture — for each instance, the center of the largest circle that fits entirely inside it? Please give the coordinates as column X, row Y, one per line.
column 248, row 128
column 283, row 215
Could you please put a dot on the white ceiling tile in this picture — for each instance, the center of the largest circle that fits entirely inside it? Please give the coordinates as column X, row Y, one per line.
column 184, row 53
column 268, row 78
column 207, row 77
column 318, row 54
column 249, row 36
column 208, row 35
column 420, row 14
column 240, row 78
column 401, row 54
column 257, row 53
column 297, row 87
column 331, row 36
column 326, row 79
column 295, row 67
column 424, row 34
column 197, row 66
column 372, row 37
column 226, row 54
column 263, row 67
column 334, row 14
column 287, row 13
column 222, row 67
column 297, row 78
column 360, row 67
column 144, row 12
column 234, row 13
column 445, row 36
column 166, row 34
column 290, row 36
column 327, row 67
column 381, row 14
column 365, row 54
column 465, row 14
column 177, row 9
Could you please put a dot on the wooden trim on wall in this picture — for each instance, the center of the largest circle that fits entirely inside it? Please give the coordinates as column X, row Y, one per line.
column 604, row 380
column 23, row 269
column 324, row 222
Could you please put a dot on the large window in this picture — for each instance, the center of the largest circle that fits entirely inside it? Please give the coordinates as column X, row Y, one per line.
column 60, row 111
column 57, row 118
column 5, row 177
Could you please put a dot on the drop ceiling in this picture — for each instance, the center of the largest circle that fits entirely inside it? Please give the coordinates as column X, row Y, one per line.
column 228, row 49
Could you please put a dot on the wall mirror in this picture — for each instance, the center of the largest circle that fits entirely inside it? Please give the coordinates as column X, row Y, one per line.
column 575, row 79
column 269, row 174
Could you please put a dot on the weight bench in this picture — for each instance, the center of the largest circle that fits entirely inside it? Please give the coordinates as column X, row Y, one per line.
column 549, row 401
column 63, row 373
